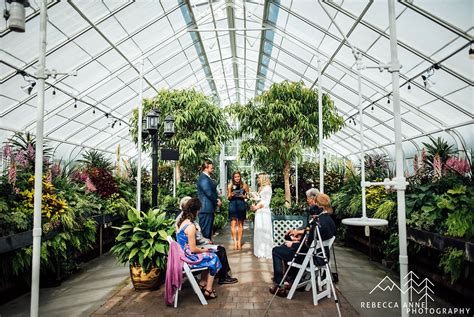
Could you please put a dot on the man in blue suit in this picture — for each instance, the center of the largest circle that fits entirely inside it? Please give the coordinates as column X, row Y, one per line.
column 207, row 193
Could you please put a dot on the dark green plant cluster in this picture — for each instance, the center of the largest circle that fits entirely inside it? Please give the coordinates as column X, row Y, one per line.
column 142, row 239
column 73, row 193
column 439, row 199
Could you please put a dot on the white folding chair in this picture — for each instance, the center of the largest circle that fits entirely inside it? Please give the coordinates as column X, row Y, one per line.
column 309, row 267
column 192, row 280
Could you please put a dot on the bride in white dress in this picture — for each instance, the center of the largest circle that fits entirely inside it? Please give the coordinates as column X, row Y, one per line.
column 263, row 233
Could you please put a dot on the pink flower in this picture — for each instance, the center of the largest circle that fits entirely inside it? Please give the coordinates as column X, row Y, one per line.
column 423, row 158
column 437, row 168
column 30, row 152
column 12, row 174
column 7, row 150
column 415, row 164
column 90, row 186
column 79, row 176
column 16, row 190
column 458, row 165
column 21, row 158
column 55, row 170
column 49, row 177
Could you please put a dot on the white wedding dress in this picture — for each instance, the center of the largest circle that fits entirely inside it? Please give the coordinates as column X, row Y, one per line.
column 263, row 233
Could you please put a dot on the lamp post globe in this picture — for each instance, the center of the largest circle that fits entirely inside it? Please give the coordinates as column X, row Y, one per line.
column 152, row 119
column 144, row 128
column 168, row 126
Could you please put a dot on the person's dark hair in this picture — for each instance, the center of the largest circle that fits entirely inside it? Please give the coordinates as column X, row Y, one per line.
column 235, row 173
column 206, row 164
column 190, row 210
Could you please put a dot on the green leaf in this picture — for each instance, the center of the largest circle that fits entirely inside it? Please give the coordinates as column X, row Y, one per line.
column 132, row 253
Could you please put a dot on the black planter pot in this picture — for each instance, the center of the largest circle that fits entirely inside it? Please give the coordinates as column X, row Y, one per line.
column 22, row 239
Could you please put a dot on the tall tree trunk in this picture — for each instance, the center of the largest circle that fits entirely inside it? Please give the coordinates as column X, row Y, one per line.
column 286, row 177
column 178, row 173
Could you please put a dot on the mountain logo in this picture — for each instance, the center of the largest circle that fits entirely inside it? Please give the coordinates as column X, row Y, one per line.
column 411, row 285
column 386, row 284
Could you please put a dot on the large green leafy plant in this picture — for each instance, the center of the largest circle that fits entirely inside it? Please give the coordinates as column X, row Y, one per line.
column 200, row 125
column 278, row 124
column 142, row 239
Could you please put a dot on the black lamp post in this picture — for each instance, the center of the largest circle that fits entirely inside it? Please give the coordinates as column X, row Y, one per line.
column 150, row 126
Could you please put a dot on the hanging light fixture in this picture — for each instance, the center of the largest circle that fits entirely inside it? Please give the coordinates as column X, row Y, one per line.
column 409, row 86
column 75, row 103
column 16, row 15
column 471, row 53
column 54, row 91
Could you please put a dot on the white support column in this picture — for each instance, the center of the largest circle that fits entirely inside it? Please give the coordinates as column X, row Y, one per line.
column 139, row 143
column 320, row 123
column 361, row 131
column 174, row 179
column 222, row 174
column 400, row 179
column 41, row 74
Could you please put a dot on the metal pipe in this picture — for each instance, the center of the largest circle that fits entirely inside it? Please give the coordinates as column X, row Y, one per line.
column 402, row 233
column 154, row 170
column 140, row 140
column 361, row 124
column 320, row 123
column 229, row 29
column 37, row 228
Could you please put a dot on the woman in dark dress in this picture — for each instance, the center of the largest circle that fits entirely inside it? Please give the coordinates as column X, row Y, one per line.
column 236, row 193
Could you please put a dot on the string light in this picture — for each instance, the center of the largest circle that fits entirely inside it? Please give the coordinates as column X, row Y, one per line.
column 388, row 99
column 75, row 103
column 93, row 110
column 54, row 91
column 409, row 86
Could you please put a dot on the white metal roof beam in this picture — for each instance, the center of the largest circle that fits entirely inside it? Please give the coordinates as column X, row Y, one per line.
column 376, row 61
column 402, row 44
column 191, row 20
column 109, row 41
column 233, row 43
column 348, row 70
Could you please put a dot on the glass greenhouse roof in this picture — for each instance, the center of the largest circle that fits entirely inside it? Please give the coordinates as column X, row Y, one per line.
column 234, row 50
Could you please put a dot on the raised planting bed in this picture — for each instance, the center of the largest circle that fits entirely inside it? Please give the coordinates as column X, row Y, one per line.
column 22, row 239
column 440, row 242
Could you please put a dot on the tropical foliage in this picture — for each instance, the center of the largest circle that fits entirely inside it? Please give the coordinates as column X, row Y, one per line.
column 200, row 125
column 278, row 124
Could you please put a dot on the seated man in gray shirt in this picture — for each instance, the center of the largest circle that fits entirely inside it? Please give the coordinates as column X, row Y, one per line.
column 224, row 273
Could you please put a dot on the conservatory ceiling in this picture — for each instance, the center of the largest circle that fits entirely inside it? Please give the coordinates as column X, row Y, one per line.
column 234, row 50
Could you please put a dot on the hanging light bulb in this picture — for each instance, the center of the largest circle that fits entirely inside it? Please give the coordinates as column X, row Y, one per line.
column 471, row 53
column 75, row 103
column 409, row 86
column 93, row 111
column 54, row 91
column 388, row 100
column 372, row 108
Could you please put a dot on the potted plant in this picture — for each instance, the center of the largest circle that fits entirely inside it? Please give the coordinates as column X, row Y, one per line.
column 142, row 243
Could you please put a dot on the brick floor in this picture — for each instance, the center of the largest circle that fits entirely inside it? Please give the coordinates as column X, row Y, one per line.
column 249, row 297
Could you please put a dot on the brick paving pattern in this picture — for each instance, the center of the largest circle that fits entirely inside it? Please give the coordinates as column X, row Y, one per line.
column 249, row 297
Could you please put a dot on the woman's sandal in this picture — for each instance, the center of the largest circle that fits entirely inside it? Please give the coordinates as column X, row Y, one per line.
column 202, row 287
column 210, row 294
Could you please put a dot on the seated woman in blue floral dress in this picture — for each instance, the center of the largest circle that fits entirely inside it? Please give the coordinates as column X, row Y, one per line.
column 186, row 237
